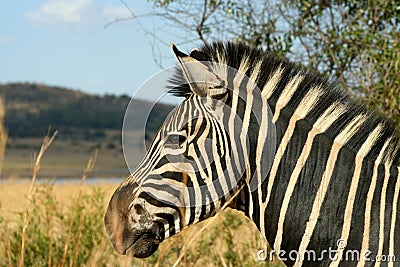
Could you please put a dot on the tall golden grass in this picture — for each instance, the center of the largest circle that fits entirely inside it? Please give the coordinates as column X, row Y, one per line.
column 27, row 214
column 47, row 233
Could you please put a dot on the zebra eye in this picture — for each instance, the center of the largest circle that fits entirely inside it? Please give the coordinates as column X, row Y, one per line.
column 174, row 141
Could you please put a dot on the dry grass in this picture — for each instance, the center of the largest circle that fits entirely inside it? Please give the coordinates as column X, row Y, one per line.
column 27, row 214
column 88, row 169
column 64, row 193
column 20, row 240
column 215, row 242
column 62, row 225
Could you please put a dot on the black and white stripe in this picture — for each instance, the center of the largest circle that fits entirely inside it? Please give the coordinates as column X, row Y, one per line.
column 334, row 175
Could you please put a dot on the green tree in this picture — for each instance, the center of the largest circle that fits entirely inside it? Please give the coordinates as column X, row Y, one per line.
column 353, row 42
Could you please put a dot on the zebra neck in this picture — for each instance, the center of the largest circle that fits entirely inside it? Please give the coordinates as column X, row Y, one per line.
column 321, row 190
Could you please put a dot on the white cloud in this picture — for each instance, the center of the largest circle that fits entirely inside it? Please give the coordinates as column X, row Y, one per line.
column 115, row 12
column 62, row 12
column 67, row 14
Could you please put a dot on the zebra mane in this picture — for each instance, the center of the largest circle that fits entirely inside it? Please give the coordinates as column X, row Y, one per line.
column 234, row 55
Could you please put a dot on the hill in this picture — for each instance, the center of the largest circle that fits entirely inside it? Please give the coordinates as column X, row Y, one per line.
column 32, row 108
column 85, row 123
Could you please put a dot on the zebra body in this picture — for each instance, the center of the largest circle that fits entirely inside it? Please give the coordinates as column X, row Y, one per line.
column 313, row 166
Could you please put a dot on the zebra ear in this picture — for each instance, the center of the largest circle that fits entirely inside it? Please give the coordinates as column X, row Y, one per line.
column 201, row 79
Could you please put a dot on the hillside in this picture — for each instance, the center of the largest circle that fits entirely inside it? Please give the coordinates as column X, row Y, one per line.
column 85, row 123
column 32, row 108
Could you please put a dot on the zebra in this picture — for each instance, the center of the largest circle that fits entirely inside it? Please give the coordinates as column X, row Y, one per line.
column 308, row 164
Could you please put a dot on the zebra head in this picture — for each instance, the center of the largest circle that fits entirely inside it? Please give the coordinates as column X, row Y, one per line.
column 205, row 151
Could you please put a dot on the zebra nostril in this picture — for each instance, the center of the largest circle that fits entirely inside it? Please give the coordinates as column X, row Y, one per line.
column 139, row 209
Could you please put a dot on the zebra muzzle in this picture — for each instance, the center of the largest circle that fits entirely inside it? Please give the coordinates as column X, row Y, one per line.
column 129, row 226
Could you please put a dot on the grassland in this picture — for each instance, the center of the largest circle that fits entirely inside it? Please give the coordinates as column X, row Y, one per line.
column 221, row 244
column 13, row 194
column 51, row 224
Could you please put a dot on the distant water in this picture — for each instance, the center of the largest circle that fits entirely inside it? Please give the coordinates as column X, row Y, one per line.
column 111, row 180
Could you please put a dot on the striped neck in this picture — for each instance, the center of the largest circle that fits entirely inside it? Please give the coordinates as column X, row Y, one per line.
column 333, row 178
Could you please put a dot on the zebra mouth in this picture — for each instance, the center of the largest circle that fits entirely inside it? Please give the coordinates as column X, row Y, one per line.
column 143, row 246
column 133, row 234
column 138, row 243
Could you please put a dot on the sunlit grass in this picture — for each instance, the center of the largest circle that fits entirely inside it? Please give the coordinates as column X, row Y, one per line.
column 50, row 230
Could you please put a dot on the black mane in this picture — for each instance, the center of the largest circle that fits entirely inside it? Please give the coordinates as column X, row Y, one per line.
column 233, row 54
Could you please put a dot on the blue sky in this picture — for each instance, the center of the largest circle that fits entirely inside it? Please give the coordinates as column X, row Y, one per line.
column 65, row 43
